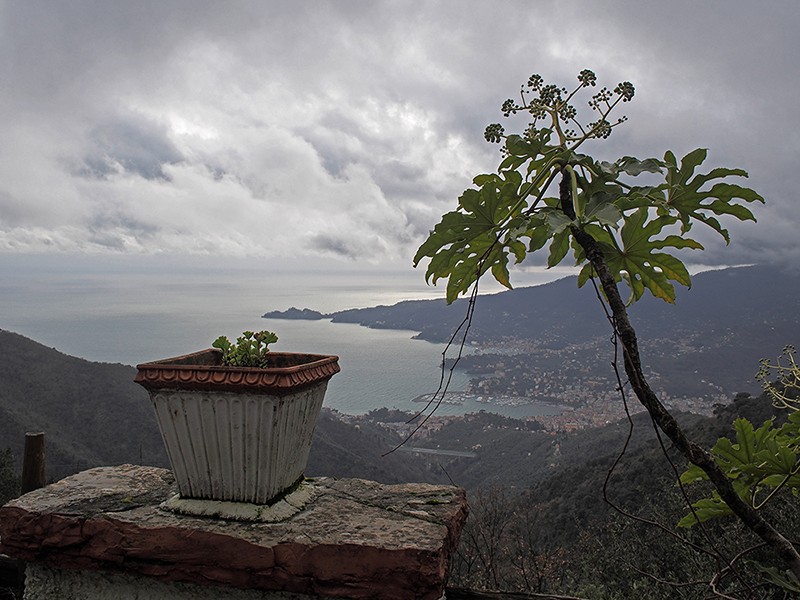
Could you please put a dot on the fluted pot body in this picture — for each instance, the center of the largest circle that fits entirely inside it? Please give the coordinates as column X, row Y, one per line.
column 237, row 434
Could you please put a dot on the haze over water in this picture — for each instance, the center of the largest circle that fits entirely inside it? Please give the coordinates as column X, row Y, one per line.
column 133, row 310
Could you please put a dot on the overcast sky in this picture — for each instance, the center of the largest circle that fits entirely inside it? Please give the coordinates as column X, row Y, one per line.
column 345, row 129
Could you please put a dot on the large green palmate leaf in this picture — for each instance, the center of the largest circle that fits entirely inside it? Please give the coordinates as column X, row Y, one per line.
column 634, row 257
column 734, row 456
column 467, row 243
column 758, row 462
column 631, row 166
column 759, row 456
column 783, row 579
column 686, row 198
column 558, row 248
column 705, row 509
column 600, row 210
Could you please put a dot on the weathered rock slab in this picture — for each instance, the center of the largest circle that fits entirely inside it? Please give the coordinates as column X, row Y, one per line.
column 353, row 539
column 48, row 583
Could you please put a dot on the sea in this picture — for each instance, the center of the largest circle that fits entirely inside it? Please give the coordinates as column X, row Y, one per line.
column 130, row 310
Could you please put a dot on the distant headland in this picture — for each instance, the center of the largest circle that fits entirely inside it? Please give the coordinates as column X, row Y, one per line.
column 305, row 314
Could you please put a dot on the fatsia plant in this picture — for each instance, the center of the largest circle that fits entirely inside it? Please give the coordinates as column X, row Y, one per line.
column 509, row 214
column 548, row 196
column 760, row 463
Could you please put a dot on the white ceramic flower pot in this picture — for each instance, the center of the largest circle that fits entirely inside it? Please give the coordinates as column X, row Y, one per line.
column 237, row 434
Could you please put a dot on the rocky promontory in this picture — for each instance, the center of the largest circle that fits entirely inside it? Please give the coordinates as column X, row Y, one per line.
column 304, row 314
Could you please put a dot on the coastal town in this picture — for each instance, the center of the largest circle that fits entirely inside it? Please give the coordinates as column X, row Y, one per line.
column 578, row 380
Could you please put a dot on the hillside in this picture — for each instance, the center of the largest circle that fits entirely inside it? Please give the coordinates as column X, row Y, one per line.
column 559, row 535
column 94, row 414
column 558, row 312
column 541, row 488
column 706, row 346
column 711, row 339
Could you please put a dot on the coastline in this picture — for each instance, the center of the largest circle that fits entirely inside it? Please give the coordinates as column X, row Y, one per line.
column 460, row 398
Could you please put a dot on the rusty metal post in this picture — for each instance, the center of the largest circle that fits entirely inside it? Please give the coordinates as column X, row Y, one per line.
column 33, row 466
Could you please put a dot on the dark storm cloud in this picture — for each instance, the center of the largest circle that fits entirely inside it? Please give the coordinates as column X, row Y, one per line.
column 332, row 244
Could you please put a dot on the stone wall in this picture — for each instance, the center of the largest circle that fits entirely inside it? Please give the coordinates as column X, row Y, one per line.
column 352, row 539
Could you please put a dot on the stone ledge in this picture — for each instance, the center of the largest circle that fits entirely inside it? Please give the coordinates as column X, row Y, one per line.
column 354, row 539
column 48, row 583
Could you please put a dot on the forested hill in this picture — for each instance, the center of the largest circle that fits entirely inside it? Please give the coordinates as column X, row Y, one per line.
column 94, row 414
column 544, row 489
column 752, row 298
column 705, row 346
column 91, row 413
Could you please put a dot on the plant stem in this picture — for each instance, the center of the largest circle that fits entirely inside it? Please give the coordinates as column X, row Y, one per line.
column 695, row 453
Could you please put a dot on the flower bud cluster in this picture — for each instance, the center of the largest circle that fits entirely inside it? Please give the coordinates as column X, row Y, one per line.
column 537, row 110
column 494, row 133
column 535, row 82
column 509, row 107
column 567, row 112
column 600, row 128
column 603, row 97
column 550, row 95
column 626, row 90
column 553, row 104
column 587, row 78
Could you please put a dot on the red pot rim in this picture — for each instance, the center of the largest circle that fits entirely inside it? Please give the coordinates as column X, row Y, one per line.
column 202, row 371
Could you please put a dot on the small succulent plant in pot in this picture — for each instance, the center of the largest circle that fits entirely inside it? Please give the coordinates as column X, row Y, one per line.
column 237, row 419
column 250, row 350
